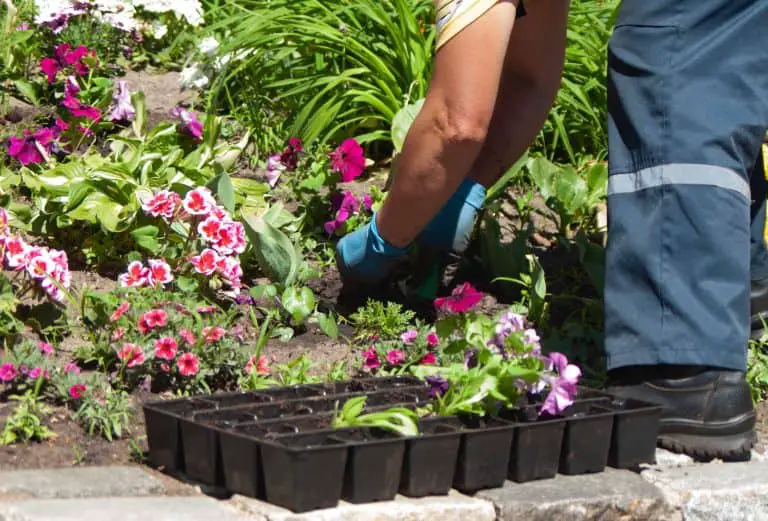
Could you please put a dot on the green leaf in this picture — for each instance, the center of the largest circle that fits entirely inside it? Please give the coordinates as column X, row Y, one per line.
column 146, row 237
column 276, row 255
column 263, row 291
column 221, row 185
column 328, row 325
column 402, row 122
column 28, row 90
column 283, row 333
column 139, row 103
column 187, row 284
column 298, row 302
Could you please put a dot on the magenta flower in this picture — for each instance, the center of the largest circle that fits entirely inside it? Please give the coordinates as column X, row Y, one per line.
column 71, row 87
column 35, row 373
column 462, row 299
column 396, row 357
column 72, row 367
column 50, row 67
column 87, row 112
column 77, row 391
column 410, row 336
column 45, row 348
column 123, row 109
column 8, row 372
column 371, row 359
column 29, row 149
column 428, row 359
column 348, row 159
column 432, row 339
column 188, row 364
column 562, row 387
column 367, row 202
column 290, row 156
column 347, row 207
column 189, row 123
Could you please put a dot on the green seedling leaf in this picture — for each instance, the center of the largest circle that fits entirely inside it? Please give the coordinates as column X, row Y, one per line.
column 28, row 90
column 328, row 325
column 139, row 103
column 402, row 122
column 299, row 303
column 187, row 284
column 276, row 255
column 221, row 185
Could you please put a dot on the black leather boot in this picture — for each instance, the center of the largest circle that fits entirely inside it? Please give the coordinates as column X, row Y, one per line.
column 707, row 413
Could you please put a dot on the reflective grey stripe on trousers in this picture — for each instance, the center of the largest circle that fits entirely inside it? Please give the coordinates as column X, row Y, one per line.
column 678, row 174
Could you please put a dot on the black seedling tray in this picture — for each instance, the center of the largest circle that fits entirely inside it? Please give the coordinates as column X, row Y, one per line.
column 429, row 463
column 635, row 429
column 277, row 444
column 587, row 438
column 484, row 452
column 306, row 471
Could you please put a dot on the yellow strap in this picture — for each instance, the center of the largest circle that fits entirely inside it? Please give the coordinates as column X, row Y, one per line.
column 466, row 12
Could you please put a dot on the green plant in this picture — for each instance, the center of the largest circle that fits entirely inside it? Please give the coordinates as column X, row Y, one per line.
column 757, row 372
column 397, row 419
column 336, row 67
column 25, row 423
column 377, row 319
column 19, row 48
column 106, row 413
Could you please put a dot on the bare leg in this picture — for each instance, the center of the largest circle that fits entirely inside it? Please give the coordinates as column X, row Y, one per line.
column 449, row 132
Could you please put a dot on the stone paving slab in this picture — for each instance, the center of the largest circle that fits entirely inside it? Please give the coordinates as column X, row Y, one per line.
column 78, row 482
column 454, row 507
column 716, row 491
column 120, row 509
column 613, row 495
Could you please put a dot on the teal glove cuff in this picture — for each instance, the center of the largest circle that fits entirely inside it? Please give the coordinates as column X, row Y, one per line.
column 380, row 245
column 451, row 229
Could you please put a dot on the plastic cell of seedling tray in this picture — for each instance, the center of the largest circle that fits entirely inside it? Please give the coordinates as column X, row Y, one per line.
column 536, row 446
column 241, row 460
column 225, row 400
column 635, row 429
column 429, row 463
column 304, row 472
column 483, row 459
column 163, row 432
column 297, row 392
column 587, row 438
column 374, row 464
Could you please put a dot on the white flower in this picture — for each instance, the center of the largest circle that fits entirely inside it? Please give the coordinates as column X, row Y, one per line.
column 208, row 46
column 193, row 77
column 159, row 30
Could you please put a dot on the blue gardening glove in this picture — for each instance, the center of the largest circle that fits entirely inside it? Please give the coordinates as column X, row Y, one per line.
column 451, row 229
column 364, row 256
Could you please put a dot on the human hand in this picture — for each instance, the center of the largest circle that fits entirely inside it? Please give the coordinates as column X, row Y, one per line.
column 363, row 256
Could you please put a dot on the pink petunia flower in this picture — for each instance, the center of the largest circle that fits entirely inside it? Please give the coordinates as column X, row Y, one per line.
column 165, row 348
column 396, row 357
column 348, row 159
column 131, row 354
column 462, row 299
column 118, row 333
column 45, row 348
column 123, row 109
column 50, row 67
column 432, row 339
column 213, row 334
column 77, row 391
column 152, row 319
column 371, row 359
column 72, row 368
column 187, row 336
column 562, row 386
column 33, row 147
column 428, row 359
column 188, row 364
column 258, row 365
column 35, row 373
column 410, row 336
column 8, row 372
column 189, row 123
column 121, row 310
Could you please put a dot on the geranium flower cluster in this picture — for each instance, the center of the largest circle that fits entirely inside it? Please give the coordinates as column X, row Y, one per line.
column 224, row 238
column 50, row 268
column 346, row 206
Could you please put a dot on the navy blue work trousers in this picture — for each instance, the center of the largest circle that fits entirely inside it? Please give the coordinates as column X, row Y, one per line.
column 688, row 110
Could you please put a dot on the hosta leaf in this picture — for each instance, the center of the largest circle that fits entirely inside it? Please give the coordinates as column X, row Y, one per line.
column 276, row 255
column 402, row 122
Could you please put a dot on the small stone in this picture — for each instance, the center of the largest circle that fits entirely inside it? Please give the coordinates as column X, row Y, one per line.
column 454, row 507
column 121, row 509
column 613, row 495
column 720, row 492
column 80, row 482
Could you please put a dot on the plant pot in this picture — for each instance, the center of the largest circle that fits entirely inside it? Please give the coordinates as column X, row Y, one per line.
column 587, row 439
column 484, row 453
column 163, row 433
column 635, row 429
column 225, row 400
column 296, row 392
column 429, row 463
column 202, row 452
column 535, row 447
column 241, row 460
column 374, row 464
column 304, row 472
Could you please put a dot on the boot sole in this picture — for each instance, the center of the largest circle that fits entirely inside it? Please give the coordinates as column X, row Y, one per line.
column 732, row 440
